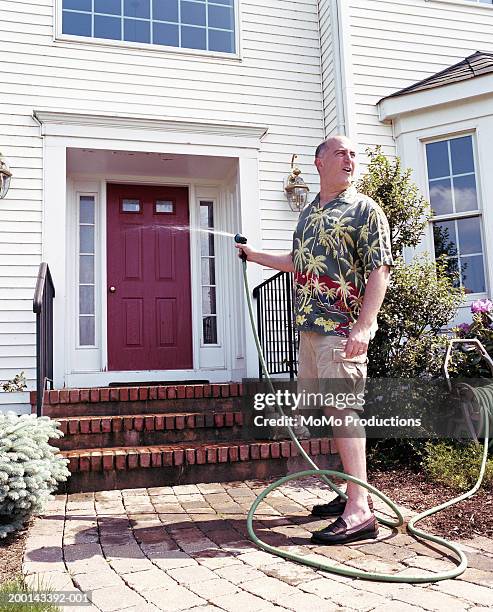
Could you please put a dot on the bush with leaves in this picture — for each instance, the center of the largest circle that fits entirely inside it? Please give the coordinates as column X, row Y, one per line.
column 473, row 364
column 30, row 468
column 421, row 298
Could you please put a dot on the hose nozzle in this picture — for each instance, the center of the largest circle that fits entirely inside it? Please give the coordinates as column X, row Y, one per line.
column 240, row 239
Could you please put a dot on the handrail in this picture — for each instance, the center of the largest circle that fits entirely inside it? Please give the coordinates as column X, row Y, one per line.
column 275, row 324
column 43, row 307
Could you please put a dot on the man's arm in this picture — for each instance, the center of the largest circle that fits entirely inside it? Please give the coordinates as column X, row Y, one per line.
column 278, row 261
column 376, row 287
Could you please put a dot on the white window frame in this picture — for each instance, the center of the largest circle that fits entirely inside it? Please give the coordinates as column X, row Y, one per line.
column 58, row 36
column 469, row 297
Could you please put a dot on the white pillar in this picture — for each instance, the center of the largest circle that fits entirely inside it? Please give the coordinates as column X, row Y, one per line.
column 54, row 245
column 250, row 227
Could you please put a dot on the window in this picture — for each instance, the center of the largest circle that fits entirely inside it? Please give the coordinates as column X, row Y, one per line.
column 192, row 24
column 208, row 273
column 457, row 221
column 86, row 240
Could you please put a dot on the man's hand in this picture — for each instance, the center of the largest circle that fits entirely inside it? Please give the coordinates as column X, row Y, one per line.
column 244, row 249
column 358, row 340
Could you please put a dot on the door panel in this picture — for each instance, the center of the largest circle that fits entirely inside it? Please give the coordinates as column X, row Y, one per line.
column 149, row 296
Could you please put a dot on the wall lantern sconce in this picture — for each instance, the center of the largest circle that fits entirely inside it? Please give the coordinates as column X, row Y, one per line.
column 296, row 189
column 5, row 176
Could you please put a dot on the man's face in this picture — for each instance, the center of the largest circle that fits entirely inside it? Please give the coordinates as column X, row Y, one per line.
column 337, row 164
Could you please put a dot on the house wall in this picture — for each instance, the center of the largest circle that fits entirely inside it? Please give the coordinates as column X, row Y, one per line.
column 395, row 43
column 275, row 81
column 329, row 68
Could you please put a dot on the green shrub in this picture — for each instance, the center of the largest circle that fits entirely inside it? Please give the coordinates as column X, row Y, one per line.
column 421, row 298
column 30, row 469
column 456, row 465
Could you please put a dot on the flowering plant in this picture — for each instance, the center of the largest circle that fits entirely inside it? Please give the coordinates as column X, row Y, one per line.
column 481, row 327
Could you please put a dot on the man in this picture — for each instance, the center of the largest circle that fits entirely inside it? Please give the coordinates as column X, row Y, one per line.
column 341, row 259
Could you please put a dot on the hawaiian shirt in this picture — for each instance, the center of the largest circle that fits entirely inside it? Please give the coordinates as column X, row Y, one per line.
column 335, row 247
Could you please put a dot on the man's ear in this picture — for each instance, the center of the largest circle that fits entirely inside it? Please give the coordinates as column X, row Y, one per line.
column 318, row 163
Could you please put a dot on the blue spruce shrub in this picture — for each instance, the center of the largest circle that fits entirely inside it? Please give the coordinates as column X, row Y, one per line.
column 30, row 468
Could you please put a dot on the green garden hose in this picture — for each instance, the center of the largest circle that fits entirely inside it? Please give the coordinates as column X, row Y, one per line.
column 482, row 394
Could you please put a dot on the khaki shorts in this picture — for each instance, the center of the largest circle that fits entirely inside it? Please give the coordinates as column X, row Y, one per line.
column 324, row 369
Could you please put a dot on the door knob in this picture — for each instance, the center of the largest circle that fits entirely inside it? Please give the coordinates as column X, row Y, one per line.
column 112, row 289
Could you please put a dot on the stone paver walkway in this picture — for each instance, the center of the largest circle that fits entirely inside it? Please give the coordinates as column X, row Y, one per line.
column 185, row 548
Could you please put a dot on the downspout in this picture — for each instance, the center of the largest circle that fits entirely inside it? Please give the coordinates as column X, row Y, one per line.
column 337, row 36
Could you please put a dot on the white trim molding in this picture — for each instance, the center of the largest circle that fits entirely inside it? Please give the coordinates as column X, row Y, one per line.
column 63, row 130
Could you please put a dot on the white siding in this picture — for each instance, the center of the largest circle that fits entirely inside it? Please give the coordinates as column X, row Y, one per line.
column 395, row 43
column 328, row 69
column 276, row 82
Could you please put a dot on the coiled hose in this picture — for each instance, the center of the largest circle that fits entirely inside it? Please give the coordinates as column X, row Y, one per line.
column 484, row 397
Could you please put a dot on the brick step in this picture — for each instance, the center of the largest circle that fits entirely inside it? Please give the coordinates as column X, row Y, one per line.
column 109, row 401
column 97, row 469
column 147, row 429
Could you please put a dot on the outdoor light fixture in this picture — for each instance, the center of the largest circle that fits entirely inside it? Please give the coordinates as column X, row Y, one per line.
column 5, row 176
column 296, row 189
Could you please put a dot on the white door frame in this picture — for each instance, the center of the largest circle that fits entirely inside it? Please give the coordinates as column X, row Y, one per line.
column 61, row 131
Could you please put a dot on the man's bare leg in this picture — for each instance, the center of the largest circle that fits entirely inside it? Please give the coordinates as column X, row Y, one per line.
column 350, row 442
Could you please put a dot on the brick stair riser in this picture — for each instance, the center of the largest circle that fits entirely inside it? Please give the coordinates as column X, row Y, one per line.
column 150, row 438
column 191, row 474
column 110, row 408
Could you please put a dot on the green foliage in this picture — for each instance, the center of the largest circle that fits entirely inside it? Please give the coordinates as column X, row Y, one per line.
column 471, row 362
column 30, row 469
column 456, row 465
column 421, row 298
column 391, row 187
column 18, row 585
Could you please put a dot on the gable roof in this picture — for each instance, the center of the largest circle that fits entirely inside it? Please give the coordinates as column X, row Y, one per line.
column 477, row 64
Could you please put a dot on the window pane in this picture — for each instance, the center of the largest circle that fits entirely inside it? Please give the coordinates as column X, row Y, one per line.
column 210, row 330
column 166, row 34
column 208, row 271
column 469, row 236
column 137, row 8
column 107, row 27
column 137, row 31
column 164, row 206
column 87, row 335
column 462, row 156
column 208, row 300
column 220, row 17
column 87, row 239
column 472, row 271
column 165, row 10
column 131, row 206
column 86, row 269
column 206, row 244
column 465, row 193
column 228, row 2
column 78, row 24
column 193, row 38
column 444, row 238
column 437, row 159
column 192, row 13
column 206, row 214
column 110, row 7
column 221, row 41
column 441, row 197
column 86, row 299
column 87, row 209
column 78, row 5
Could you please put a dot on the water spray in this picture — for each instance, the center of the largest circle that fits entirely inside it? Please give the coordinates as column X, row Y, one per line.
column 484, row 396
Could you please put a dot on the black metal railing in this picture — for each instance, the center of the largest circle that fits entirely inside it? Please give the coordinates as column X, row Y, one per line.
column 43, row 307
column 275, row 324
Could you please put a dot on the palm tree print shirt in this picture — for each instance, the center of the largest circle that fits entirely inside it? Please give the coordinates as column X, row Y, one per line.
column 335, row 247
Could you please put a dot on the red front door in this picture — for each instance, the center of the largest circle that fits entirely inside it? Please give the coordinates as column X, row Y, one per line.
column 149, row 300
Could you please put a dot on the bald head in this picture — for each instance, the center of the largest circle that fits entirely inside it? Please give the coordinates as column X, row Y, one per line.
column 331, row 142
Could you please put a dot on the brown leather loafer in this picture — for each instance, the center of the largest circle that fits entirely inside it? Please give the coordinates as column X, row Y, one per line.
column 334, row 507
column 338, row 532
